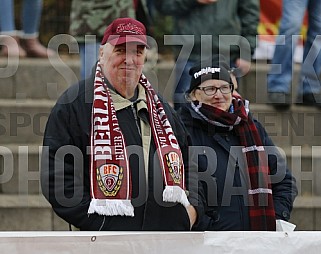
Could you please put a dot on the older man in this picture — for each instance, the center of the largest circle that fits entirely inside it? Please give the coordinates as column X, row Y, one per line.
column 115, row 154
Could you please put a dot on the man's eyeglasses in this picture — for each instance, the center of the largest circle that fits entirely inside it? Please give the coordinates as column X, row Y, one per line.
column 211, row 90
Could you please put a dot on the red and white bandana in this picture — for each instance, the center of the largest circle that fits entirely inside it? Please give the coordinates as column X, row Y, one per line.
column 110, row 176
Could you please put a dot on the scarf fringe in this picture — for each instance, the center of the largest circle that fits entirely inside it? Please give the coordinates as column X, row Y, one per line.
column 111, row 207
column 175, row 194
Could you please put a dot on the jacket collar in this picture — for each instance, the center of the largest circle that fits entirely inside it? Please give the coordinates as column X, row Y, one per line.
column 120, row 102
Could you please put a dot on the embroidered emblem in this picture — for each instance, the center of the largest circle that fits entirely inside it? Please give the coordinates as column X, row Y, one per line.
column 174, row 165
column 109, row 177
column 129, row 28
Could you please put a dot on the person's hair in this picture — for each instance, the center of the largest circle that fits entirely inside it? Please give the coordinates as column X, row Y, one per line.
column 188, row 96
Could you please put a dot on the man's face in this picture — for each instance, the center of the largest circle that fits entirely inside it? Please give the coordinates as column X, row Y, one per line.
column 122, row 65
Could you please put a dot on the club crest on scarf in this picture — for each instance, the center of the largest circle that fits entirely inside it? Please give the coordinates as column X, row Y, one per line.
column 109, row 178
column 174, row 165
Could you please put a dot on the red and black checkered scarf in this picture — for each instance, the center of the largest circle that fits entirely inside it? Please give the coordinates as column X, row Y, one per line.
column 261, row 209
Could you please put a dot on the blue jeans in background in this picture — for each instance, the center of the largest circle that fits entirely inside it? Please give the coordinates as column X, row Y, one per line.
column 88, row 58
column 31, row 15
column 279, row 80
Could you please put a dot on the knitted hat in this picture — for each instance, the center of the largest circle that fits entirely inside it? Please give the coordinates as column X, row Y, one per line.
column 214, row 68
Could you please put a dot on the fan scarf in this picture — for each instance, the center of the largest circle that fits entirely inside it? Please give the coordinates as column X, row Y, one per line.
column 261, row 209
column 110, row 176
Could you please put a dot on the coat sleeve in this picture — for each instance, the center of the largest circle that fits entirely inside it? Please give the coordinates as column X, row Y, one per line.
column 175, row 7
column 249, row 15
column 62, row 169
column 283, row 182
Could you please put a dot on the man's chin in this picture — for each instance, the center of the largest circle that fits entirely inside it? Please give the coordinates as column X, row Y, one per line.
column 130, row 82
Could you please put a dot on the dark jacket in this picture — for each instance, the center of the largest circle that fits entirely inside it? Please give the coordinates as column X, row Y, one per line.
column 66, row 166
column 224, row 182
column 232, row 18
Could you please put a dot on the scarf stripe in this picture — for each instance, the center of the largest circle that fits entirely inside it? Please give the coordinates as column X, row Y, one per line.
column 260, row 190
column 252, row 148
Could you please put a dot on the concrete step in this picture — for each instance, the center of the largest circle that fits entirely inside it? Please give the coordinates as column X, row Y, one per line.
column 23, row 121
column 19, row 169
column 298, row 126
column 34, row 213
column 37, row 78
column 304, row 163
column 28, row 213
column 306, row 214
column 253, row 86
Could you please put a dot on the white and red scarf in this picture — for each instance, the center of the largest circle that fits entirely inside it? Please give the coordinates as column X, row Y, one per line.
column 110, row 176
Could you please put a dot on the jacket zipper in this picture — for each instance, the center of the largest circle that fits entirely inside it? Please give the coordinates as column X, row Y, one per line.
column 136, row 119
column 139, row 131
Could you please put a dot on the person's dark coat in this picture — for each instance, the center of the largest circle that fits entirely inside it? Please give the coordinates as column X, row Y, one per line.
column 66, row 166
column 237, row 20
column 224, row 180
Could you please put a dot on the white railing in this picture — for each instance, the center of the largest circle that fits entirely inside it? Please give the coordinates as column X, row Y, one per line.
column 308, row 242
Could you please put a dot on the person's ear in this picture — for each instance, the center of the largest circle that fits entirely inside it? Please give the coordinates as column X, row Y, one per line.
column 234, row 81
column 146, row 53
column 192, row 96
column 101, row 52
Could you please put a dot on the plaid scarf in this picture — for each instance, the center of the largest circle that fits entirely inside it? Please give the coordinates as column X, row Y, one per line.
column 110, row 176
column 261, row 210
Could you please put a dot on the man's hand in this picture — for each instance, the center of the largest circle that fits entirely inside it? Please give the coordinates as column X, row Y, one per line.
column 243, row 65
column 192, row 214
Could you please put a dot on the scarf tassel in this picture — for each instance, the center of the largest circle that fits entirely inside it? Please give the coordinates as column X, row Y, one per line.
column 111, row 207
column 175, row 194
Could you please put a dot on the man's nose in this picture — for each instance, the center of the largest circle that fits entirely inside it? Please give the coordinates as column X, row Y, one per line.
column 130, row 58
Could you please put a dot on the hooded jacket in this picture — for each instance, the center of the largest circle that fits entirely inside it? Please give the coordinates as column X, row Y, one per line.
column 222, row 170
